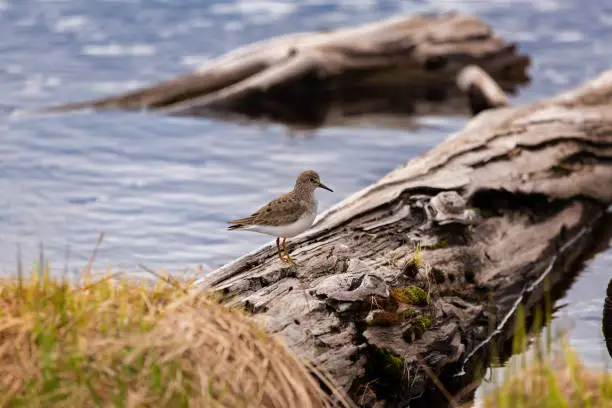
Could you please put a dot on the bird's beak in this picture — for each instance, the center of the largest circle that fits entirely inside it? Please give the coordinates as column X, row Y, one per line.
column 325, row 187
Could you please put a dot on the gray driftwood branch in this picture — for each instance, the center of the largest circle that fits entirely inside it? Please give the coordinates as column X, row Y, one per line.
column 499, row 211
column 394, row 65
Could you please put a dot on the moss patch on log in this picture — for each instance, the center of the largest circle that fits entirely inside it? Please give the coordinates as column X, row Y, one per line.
column 411, row 295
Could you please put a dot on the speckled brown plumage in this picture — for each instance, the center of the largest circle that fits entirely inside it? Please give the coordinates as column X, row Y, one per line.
column 287, row 215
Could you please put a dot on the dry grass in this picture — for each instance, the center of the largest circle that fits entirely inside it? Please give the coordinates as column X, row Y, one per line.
column 562, row 381
column 118, row 342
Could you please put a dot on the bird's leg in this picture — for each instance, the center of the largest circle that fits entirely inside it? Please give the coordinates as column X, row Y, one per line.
column 279, row 251
column 289, row 259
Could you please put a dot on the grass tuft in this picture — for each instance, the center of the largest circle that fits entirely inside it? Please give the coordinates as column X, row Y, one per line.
column 562, row 381
column 121, row 342
column 412, row 265
column 552, row 376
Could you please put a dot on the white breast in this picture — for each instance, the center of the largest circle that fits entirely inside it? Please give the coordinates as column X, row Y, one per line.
column 289, row 230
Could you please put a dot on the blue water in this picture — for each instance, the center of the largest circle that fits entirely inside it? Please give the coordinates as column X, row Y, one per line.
column 161, row 188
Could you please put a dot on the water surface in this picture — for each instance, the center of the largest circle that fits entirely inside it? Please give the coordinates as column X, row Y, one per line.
column 162, row 188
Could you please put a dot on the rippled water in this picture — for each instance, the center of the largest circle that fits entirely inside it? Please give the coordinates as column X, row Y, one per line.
column 162, row 188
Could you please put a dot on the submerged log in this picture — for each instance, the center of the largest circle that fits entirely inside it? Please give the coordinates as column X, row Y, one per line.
column 299, row 78
column 606, row 318
column 419, row 273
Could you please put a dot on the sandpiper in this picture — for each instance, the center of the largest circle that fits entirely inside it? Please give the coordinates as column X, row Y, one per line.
column 287, row 215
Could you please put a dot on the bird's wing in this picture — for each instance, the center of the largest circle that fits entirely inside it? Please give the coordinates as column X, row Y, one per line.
column 285, row 209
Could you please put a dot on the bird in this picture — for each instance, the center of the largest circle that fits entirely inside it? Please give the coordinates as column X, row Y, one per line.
column 287, row 215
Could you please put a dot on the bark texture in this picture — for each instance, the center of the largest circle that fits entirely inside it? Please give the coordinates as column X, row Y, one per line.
column 402, row 64
column 503, row 208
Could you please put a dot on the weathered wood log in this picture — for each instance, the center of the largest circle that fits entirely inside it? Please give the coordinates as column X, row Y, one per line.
column 300, row 77
column 500, row 210
column 397, row 108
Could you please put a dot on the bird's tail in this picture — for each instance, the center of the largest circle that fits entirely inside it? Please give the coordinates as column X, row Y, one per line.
column 235, row 227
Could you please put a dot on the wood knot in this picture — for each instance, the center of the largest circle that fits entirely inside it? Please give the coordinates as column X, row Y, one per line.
column 449, row 207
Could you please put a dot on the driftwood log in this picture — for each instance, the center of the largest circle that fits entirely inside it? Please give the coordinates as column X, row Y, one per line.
column 419, row 273
column 404, row 65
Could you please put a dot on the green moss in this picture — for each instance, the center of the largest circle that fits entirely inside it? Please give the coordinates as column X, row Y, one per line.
column 438, row 275
column 437, row 245
column 411, row 295
column 393, row 360
column 424, row 322
column 417, row 327
column 408, row 314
